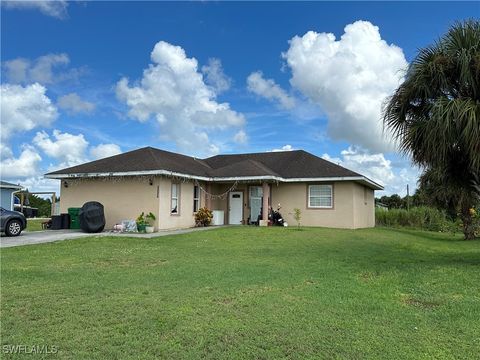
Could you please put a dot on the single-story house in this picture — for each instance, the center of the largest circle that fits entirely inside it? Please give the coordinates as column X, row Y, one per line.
column 243, row 186
column 6, row 194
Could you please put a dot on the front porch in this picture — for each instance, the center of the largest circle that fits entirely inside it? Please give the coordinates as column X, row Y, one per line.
column 241, row 202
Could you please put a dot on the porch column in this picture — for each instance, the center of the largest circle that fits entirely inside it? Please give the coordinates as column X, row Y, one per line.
column 266, row 195
column 208, row 200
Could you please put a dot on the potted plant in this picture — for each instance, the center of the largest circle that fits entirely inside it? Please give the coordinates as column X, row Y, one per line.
column 141, row 223
column 149, row 219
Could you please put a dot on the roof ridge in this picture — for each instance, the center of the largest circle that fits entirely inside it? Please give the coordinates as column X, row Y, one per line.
column 256, row 153
column 201, row 161
column 262, row 166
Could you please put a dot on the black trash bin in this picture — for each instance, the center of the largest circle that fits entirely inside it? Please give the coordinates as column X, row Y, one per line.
column 56, row 222
column 65, row 221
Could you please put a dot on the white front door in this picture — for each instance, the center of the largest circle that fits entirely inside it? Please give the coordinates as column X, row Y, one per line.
column 235, row 212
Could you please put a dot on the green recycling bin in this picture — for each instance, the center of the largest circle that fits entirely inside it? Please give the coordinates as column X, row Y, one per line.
column 74, row 219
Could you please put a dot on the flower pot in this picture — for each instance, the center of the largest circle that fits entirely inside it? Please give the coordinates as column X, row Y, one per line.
column 141, row 227
column 149, row 229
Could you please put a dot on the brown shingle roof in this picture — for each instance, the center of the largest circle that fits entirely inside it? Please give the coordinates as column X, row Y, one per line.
column 286, row 165
column 143, row 159
column 247, row 167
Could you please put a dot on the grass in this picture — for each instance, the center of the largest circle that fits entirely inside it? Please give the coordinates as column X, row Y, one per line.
column 35, row 224
column 247, row 292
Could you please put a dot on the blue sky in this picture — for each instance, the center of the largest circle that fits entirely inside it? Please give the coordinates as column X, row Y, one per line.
column 64, row 63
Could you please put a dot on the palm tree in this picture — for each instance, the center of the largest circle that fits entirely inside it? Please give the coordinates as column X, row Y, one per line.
column 435, row 114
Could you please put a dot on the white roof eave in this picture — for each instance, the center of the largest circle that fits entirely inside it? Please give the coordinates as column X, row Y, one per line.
column 362, row 179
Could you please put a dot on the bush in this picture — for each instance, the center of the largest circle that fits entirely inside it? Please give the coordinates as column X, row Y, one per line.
column 297, row 215
column 203, row 217
column 423, row 217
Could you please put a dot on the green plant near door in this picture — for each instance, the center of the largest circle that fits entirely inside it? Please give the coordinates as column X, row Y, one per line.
column 203, row 217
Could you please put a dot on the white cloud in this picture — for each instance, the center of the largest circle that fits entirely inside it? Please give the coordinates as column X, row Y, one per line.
column 268, row 89
column 104, row 150
column 5, row 151
column 54, row 8
column 377, row 168
column 41, row 70
column 67, row 148
column 39, row 183
column 16, row 70
column 215, row 76
column 240, row 137
column 284, row 148
column 349, row 79
column 74, row 104
column 25, row 108
column 172, row 91
column 25, row 165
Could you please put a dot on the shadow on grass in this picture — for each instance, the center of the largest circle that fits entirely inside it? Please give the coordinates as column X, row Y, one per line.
column 428, row 235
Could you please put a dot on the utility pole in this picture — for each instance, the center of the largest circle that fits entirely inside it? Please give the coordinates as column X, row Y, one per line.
column 408, row 199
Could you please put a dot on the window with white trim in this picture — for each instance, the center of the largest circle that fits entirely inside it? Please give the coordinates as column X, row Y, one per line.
column 320, row 196
column 196, row 198
column 175, row 199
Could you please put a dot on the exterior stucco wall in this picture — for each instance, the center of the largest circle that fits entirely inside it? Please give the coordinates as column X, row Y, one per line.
column 122, row 199
column 364, row 206
column 294, row 195
column 353, row 204
column 186, row 217
column 126, row 198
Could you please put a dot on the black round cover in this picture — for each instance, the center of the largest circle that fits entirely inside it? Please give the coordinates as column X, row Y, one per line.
column 92, row 218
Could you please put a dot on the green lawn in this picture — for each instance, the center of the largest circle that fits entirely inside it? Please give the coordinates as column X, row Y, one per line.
column 246, row 292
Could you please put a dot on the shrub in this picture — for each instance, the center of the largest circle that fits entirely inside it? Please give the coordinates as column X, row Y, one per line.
column 423, row 217
column 203, row 217
column 297, row 215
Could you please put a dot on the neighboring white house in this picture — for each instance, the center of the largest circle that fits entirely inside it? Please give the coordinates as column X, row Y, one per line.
column 6, row 195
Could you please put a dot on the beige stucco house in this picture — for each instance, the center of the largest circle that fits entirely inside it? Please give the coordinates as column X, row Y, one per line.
column 243, row 186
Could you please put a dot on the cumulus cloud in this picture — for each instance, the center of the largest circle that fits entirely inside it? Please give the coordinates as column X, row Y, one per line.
column 5, row 151
column 104, row 150
column 284, row 148
column 39, row 183
column 16, row 70
column 25, row 108
column 215, row 76
column 349, row 79
column 67, row 148
column 56, row 8
column 377, row 168
column 270, row 90
column 173, row 92
column 43, row 69
column 25, row 165
column 73, row 104
column 240, row 137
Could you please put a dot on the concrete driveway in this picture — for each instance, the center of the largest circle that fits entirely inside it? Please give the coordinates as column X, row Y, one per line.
column 46, row 236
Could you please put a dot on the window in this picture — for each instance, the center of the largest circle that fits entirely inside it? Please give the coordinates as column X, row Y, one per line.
column 196, row 198
column 256, row 194
column 320, row 196
column 175, row 203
